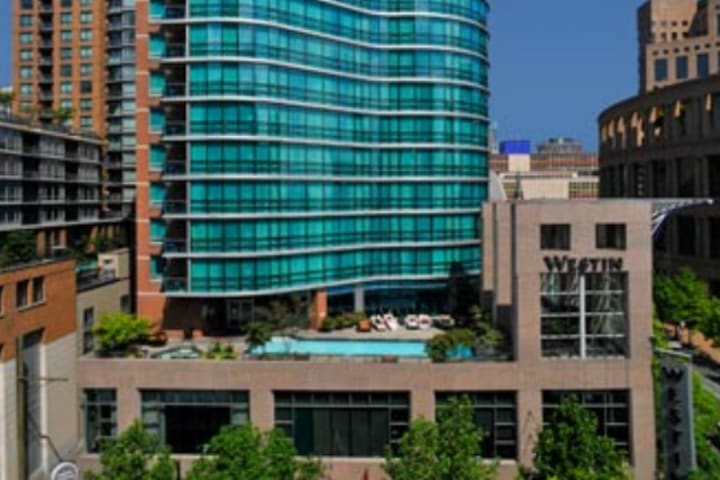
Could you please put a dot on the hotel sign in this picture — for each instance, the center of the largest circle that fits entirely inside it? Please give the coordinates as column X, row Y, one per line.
column 583, row 264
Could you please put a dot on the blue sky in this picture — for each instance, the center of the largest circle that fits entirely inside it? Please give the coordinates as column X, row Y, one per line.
column 555, row 64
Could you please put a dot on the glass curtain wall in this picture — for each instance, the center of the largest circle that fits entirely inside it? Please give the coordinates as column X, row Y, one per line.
column 307, row 126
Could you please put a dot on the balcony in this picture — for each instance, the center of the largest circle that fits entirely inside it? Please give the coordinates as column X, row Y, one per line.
column 46, row 61
column 174, row 207
column 46, row 27
column 174, row 245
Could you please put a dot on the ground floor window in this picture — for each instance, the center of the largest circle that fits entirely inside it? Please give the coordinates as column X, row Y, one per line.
column 100, row 417
column 186, row 420
column 611, row 408
column 343, row 424
column 496, row 414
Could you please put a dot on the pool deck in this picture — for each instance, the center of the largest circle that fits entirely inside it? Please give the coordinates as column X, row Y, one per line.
column 352, row 334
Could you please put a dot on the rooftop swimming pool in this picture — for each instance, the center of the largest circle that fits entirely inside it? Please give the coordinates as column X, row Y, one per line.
column 347, row 348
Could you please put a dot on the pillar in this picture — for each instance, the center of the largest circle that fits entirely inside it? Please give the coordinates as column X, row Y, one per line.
column 359, row 298
column 318, row 308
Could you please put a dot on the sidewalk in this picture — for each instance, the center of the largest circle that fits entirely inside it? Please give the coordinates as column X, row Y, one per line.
column 697, row 341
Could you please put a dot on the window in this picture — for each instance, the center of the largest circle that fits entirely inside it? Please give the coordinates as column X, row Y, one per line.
column 714, row 227
column 88, row 341
column 661, row 69
column 100, row 417
column 85, row 87
column 66, row 70
column 496, row 414
column 35, row 401
column 610, row 236
column 86, row 17
column 686, row 235
column 66, row 53
column 703, row 65
column 25, row 20
column 66, row 18
column 583, row 314
column 186, row 420
column 157, row 267
column 66, row 36
column 85, row 52
column 38, row 290
column 26, row 73
column 125, row 305
column 681, row 68
column 555, row 237
column 611, row 408
column 26, row 54
column 342, row 424
column 85, row 69
column 21, row 299
column 66, row 87
column 86, row 35
column 26, row 38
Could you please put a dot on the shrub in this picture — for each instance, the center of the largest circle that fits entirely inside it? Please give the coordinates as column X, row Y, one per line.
column 441, row 346
column 328, row 325
column 258, row 334
column 221, row 352
column 116, row 331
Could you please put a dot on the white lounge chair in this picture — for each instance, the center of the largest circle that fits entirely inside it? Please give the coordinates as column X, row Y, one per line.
column 391, row 322
column 378, row 323
column 425, row 322
column 411, row 322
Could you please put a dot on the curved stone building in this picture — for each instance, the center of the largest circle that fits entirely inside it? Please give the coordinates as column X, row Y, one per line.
column 666, row 144
column 337, row 148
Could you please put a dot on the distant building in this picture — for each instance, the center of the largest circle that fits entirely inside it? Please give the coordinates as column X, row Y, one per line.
column 74, row 63
column 679, row 41
column 560, row 169
column 51, row 183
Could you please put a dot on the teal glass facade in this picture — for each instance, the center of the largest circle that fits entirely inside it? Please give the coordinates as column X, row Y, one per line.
column 311, row 144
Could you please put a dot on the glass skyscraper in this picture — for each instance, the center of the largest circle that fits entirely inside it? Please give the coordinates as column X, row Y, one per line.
column 314, row 145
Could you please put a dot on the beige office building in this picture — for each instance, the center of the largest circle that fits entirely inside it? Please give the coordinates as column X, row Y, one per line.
column 679, row 40
column 569, row 282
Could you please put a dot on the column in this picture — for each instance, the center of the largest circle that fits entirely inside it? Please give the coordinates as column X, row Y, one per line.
column 359, row 298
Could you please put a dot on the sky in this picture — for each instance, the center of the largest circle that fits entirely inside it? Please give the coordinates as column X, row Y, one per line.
column 556, row 64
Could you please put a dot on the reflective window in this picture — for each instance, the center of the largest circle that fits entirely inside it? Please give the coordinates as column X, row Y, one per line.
column 584, row 315
column 100, row 417
column 342, row 424
column 186, row 420
column 496, row 414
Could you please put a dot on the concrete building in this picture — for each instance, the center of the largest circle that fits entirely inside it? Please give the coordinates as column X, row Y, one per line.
column 326, row 155
column 51, row 183
column 664, row 144
column 78, row 57
column 679, row 40
column 47, row 311
column 39, row 407
column 559, row 169
column 573, row 295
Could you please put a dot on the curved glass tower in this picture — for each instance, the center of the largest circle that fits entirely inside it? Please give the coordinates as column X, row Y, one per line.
column 319, row 144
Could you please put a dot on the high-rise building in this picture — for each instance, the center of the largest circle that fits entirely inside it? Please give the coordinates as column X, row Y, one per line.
column 678, row 41
column 336, row 149
column 74, row 65
column 662, row 143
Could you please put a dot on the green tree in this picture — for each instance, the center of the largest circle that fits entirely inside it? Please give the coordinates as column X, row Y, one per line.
column 134, row 455
column 6, row 99
column 258, row 334
column 681, row 297
column 17, row 247
column 244, row 453
column 569, row 448
column 117, row 331
column 446, row 450
column 707, row 425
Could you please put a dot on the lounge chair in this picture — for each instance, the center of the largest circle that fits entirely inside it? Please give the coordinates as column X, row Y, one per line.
column 411, row 322
column 391, row 322
column 425, row 322
column 378, row 323
column 444, row 321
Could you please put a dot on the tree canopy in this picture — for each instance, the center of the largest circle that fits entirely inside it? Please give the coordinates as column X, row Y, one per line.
column 569, row 448
column 134, row 455
column 446, row 450
column 245, row 453
column 17, row 247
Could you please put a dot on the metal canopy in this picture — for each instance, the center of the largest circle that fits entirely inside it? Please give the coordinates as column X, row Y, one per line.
column 662, row 208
